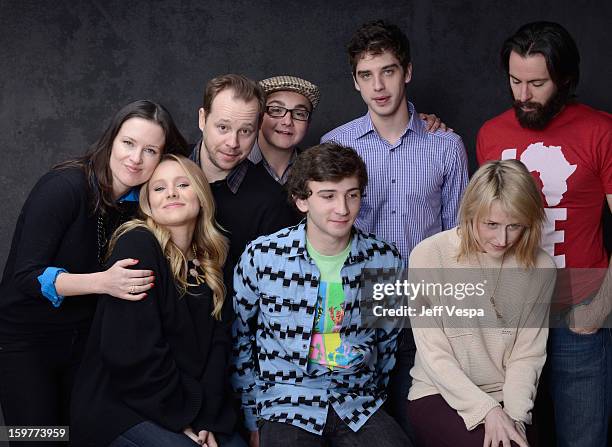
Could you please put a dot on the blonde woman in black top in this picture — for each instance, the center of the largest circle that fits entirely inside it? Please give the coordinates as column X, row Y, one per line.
column 155, row 370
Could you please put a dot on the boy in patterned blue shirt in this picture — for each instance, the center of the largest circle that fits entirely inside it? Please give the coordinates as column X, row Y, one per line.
column 307, row 370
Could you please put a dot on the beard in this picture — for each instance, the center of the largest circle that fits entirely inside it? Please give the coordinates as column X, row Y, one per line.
column 540, row 114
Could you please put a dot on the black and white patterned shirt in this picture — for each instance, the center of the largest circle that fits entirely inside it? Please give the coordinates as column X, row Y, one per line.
column 276, row 291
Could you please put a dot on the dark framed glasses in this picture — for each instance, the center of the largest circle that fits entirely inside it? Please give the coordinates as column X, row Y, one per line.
column 296, row 114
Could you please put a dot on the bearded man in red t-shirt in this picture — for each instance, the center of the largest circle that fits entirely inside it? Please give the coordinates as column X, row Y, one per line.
column 567, row 146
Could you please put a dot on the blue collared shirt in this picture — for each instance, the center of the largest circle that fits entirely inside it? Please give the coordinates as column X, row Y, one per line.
column 415, row 185
column 276, row 292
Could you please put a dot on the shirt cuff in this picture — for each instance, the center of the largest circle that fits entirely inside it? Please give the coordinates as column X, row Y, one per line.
column 47, row 285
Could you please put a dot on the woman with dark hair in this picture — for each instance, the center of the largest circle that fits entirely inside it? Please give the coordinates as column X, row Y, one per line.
column 155, row 371
column 478, row 376
column 55, row 261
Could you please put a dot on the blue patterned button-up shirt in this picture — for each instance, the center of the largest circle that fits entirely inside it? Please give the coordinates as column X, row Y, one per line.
column 276, row 291
column 415, row 185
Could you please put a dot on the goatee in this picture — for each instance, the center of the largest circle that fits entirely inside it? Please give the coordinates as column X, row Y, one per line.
column 540, row 115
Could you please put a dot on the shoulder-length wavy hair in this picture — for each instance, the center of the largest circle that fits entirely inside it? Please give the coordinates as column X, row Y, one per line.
column 557, row 46
column 510, row 182
column 96, row 162
column 210, row 246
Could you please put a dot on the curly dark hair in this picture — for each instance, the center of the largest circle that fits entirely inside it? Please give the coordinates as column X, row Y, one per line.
column 376, row 37
column 326, row 162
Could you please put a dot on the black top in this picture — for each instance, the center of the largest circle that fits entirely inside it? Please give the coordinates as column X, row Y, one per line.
column 56, row 228
column 259, row 207
column 163, row 359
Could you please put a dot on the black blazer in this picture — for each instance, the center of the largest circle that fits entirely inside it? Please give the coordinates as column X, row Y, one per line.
column 163, row 359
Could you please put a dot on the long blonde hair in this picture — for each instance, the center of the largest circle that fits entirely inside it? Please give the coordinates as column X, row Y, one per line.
column 210, row 245
column 510, row 182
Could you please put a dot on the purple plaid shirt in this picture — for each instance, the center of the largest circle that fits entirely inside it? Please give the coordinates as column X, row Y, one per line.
column 415, row 185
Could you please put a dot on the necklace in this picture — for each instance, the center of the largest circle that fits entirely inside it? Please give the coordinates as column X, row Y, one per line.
column 100, row 238
column 492, row 297
column 196, row 271
column 108, row 222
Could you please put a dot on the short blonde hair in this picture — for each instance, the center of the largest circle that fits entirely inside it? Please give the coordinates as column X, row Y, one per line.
column 211, row 246
column 510, row 182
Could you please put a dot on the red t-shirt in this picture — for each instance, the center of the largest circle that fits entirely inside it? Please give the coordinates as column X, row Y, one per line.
column 571, row 161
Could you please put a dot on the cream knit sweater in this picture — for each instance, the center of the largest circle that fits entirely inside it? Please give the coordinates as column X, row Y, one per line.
column 475, row 364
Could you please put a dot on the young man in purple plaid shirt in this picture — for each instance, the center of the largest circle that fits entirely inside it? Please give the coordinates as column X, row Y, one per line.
column 416, row 177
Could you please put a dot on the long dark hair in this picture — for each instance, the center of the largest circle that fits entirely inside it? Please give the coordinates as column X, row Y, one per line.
column 557, row 46
column 95, row 162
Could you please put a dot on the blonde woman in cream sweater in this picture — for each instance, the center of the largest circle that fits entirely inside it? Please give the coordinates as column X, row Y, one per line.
column 477, row 374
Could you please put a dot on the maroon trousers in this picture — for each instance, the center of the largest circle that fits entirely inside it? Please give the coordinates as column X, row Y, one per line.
column 436, row 424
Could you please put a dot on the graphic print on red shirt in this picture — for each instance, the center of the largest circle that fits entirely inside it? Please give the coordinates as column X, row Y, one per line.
column 571, row 161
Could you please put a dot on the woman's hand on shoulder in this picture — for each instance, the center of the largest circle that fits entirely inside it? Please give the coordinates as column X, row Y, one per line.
column 125, row 283
column 500, row 428
column 433, row 123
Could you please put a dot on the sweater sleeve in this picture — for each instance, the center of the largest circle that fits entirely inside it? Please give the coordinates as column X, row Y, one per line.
column 217, row 412
column 45, row 217
column 526, row 361
column 133, row 347
column 435, row 352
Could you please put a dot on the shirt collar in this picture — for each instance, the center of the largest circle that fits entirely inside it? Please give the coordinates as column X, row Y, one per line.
column 256, row 156
column 365, row 125
column 415, row 124
column 298, row 248
column 294, row 156
column 234, row 178
column 131, row 196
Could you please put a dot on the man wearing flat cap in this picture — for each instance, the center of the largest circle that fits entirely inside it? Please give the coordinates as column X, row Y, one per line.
column 290, row 102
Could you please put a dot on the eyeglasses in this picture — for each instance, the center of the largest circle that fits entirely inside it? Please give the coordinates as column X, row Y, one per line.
column 296, row 114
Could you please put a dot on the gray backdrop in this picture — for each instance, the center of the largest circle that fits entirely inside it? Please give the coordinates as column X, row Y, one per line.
column 67, row 66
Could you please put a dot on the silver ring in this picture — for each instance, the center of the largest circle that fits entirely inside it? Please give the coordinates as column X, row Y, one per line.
column 132, row 290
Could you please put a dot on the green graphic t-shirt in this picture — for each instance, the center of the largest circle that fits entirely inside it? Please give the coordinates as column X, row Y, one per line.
column 326, row 347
